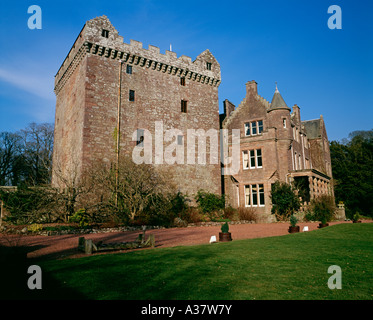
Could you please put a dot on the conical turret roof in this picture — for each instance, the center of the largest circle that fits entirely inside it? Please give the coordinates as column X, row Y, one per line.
column 278, row 102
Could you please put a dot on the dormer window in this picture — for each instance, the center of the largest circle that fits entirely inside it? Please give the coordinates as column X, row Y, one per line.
column 208, row 65
column 105, row 33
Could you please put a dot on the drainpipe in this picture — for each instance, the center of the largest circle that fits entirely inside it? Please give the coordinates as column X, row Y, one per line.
column 118, row 131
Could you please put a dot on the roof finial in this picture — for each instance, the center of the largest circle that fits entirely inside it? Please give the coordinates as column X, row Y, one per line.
column 276, row 87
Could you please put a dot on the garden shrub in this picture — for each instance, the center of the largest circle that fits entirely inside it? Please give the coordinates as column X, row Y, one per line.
column 247, row 213
column 210, row 203
column 322, row 208
column 284, row 200
column 80, row 217
column 28, row 205
column 35, row 227
column 230, row 213
column 225, row 228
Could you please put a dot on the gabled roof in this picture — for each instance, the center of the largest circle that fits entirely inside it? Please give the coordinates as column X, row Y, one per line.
column 313, row 128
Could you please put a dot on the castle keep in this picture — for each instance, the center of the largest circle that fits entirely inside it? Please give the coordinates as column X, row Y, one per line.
column 101, row 72
column 103, row 79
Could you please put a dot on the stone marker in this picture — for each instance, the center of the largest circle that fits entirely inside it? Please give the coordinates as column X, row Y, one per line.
column 213, row 239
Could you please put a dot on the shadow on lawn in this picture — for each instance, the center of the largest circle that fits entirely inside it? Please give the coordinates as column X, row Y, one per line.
column 14, row 277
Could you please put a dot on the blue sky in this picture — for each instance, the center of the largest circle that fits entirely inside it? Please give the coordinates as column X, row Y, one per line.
column 324, row 71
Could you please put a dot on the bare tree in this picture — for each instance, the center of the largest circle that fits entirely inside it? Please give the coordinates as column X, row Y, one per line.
column 9, row 157
column 37, row 149
column 138, row 186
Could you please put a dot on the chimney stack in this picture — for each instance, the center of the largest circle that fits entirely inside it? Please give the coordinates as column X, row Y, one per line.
column 251, row 87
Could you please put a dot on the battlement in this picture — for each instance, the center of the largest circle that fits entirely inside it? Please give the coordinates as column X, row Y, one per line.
column 99, row 37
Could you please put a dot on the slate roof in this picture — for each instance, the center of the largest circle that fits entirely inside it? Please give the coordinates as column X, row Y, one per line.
column 278, row 102
column 313, row 128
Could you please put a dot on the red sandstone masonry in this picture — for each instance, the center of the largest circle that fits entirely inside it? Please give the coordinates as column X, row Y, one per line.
column 87, row 85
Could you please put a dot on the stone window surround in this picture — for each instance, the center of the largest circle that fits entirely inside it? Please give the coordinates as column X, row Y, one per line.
column 250, row 157
column 260, row 198
column 257, row 126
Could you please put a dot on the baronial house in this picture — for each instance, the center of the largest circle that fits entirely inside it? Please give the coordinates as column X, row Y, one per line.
column 275, row 145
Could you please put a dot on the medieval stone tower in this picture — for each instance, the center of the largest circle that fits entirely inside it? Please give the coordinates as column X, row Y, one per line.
column 101, row 75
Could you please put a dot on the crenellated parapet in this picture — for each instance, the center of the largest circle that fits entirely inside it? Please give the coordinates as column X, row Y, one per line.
column 99, row 37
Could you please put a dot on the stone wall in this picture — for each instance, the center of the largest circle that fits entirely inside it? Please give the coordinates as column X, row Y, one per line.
column 87, row 87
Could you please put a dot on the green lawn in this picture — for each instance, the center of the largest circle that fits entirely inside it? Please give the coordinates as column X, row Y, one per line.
column 288, row 267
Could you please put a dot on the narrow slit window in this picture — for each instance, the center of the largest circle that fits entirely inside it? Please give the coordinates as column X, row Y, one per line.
column 184, row 105
column 208, row 65
column 140, row 138
column 105, row 33
column 129, row 69
column 180, row 140
column 182, row 81
column 131, row 95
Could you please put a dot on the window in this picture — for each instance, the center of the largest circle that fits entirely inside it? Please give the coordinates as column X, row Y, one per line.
column 132, row 95
column 247, row 196
column 284, row 122
column 261, row 195
column 252, row 159
column 105, row 33
column 253, row 128
column 247, row 129
column 140, row 138
column 259, row 158
column 180, row 140
column 182, row 81
column 245, row 159
column 254, row 195
column 184, row 106
column 260, row 126
column 129, row 69
column 208, row 65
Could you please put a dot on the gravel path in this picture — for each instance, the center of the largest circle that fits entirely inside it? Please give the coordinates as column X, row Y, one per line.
column 65, row 246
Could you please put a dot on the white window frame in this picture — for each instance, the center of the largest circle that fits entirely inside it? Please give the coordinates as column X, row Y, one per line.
column 250, row 125
column 245, row 152
column 250, row 196
column 248, row 156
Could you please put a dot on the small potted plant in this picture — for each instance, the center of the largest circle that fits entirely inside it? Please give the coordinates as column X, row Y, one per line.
column 293, row 224
column 323, row 223
column 356, row 218
column 225, row 235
